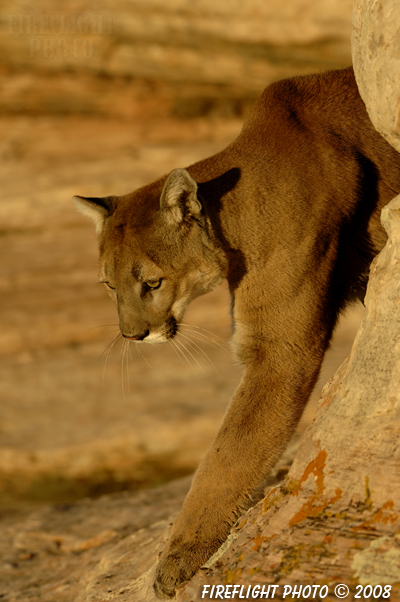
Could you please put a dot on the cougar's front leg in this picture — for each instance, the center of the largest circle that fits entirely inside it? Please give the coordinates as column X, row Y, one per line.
column 258, row 424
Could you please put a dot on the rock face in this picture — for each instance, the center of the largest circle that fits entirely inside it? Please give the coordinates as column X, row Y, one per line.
column 92, row 550
column 86, row 551
column 227, row 42
column 376, row 60
column 191, row 42
column 194, row 57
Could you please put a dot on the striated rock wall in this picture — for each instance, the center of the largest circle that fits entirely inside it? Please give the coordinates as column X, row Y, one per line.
column 376, row 59
column 197, row 57
column 203, row 41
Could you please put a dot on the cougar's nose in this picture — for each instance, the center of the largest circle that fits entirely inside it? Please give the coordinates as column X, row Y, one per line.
column 137, row 337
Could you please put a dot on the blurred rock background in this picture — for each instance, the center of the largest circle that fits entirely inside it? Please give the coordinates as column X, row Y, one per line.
column 107, row 58
column 99, row 98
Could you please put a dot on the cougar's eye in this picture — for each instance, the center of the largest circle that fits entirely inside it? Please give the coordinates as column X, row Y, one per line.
column 108, row 285
column 153, row 284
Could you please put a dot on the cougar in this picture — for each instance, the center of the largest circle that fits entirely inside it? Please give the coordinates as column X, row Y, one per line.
column 289, row 215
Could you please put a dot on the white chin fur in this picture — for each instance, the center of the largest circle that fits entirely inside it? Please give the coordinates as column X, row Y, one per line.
column 154, row 338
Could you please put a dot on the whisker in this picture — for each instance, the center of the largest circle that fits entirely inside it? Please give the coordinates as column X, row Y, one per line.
column 203, row 329
column 140, row 352
column 127, row 357
column 174, row 347
column 122, row 368
column 103, row 326
column 110, row 347
column 182, row 351
column 206, row 339
column 209, row 361
column 191, row 355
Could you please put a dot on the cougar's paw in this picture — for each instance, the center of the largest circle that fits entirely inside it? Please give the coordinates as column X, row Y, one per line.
column 174, row 569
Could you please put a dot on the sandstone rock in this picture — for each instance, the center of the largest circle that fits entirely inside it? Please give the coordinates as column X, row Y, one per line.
column 89, row 550
column 97, row 550
column 180, row 40
column 376, row 59
column 195, row 57
column 186, row 41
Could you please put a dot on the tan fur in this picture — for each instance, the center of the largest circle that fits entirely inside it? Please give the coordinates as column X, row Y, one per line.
column 289, row 214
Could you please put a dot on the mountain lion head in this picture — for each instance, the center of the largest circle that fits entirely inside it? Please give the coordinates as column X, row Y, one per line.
column 157, row 253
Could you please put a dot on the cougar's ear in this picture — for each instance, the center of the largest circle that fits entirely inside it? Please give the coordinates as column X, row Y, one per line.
column 179, row 196
column 98, row 209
